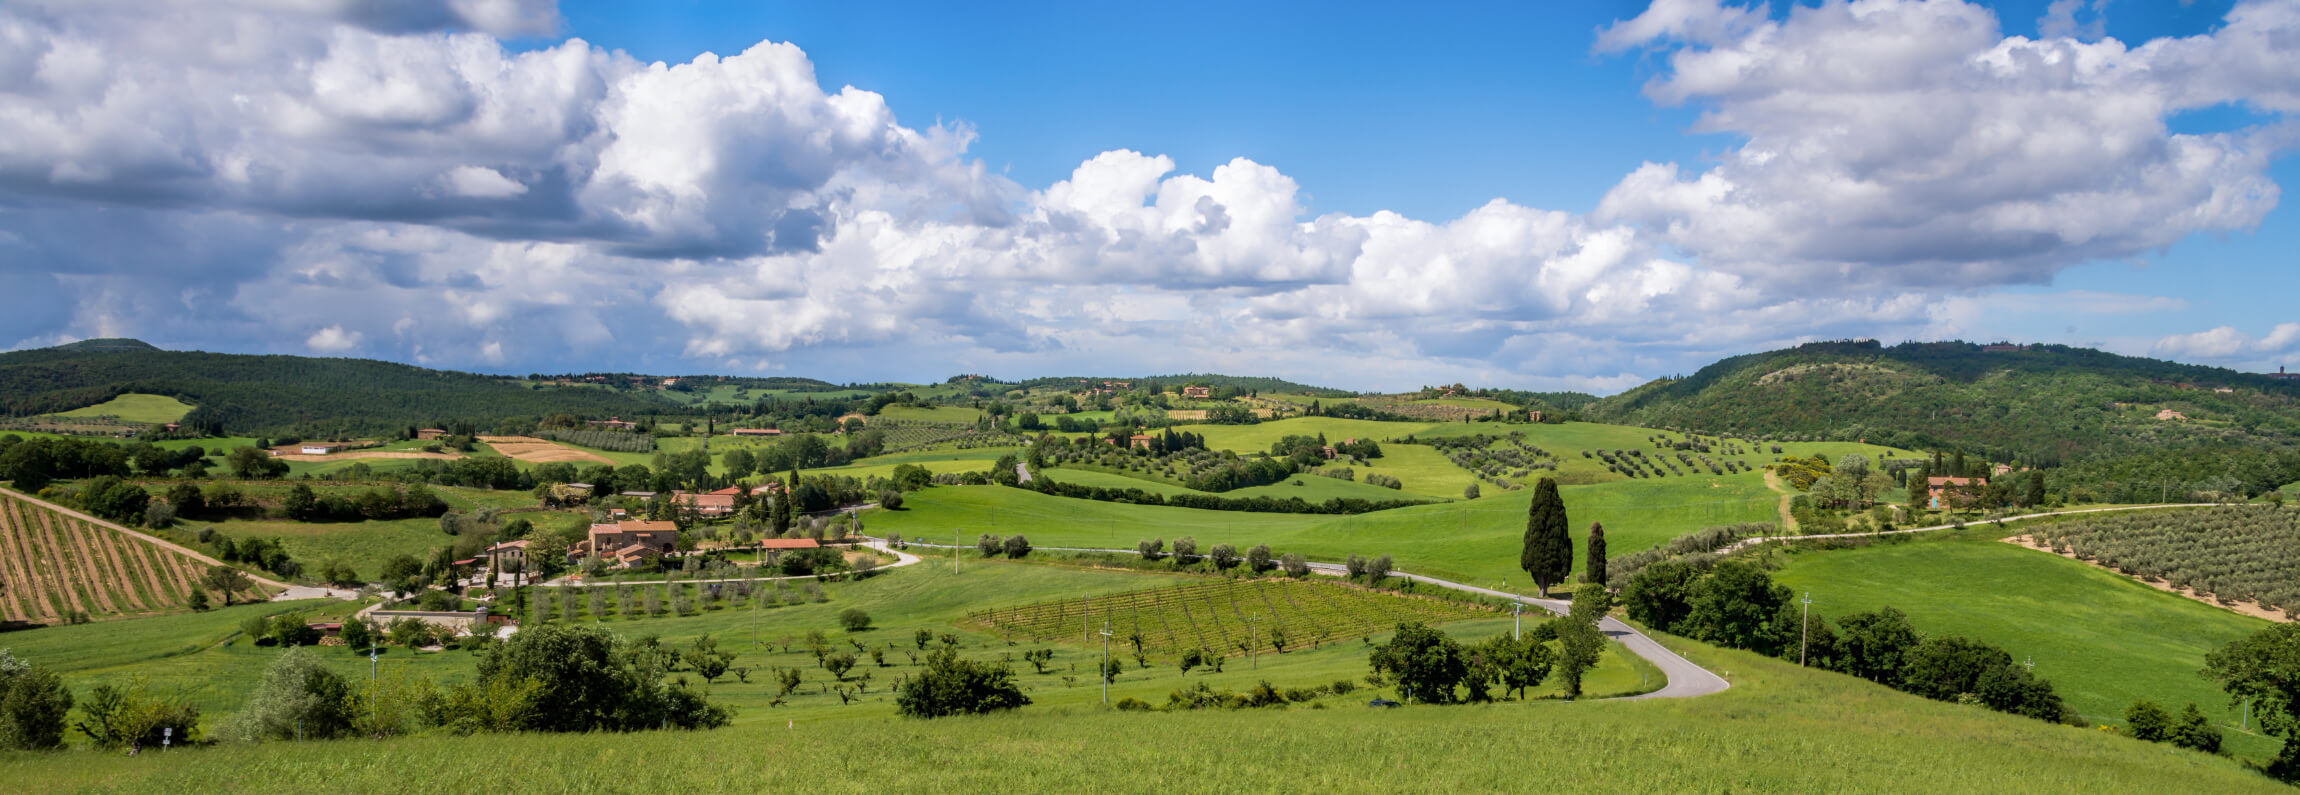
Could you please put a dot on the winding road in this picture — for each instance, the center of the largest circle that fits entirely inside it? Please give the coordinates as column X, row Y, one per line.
column 1686, row 680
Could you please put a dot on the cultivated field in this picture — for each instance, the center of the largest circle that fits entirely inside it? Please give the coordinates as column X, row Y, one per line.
column 1227, row 617
column 53, row 566
column 540, row 451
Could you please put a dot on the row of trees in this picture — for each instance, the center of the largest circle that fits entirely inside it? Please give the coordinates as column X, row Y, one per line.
column 1547, row 552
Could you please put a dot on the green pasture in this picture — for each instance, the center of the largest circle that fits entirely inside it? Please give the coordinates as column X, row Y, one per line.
column 1474, row 541
column 135, row 409
column 2103, row 640
column 1311, row 488
column 1779, row 729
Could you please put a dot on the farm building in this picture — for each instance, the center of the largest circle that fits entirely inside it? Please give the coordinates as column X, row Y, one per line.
column 1139, row 440
column 1945, row 491
column 2284, row 376
column 428, row 434
column 616, row 423
column 756, row 432
column 320, row 448
column 1197, row 392
column 508, row 552
column 714, row 504
column 638, row 495
column 614, row 539
column 2169, row 414
column 771, row 549
column 769, row 487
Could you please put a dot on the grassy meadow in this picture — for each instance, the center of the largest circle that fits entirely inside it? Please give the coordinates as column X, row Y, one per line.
column 2103, row 640
column 135, row 409
column 1779, row 729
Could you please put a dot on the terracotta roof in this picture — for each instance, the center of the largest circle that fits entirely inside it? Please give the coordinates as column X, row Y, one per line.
column 1946, row 481
column 789, row 543
column 729, row 491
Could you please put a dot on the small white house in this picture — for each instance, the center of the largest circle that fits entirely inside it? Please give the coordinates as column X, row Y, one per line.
column 317, row 448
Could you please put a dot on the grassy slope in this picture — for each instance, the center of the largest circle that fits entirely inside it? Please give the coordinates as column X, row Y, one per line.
column 1313, row 488
column 135, row 409
column 2104, row 640
column 1780, row 729
column 1476, row 541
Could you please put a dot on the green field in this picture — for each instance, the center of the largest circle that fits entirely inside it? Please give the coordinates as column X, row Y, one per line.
column 1268, row 615
column 1779, row 729
column 1311, row 488
column 135, row 409
column 1475, row 541
column 2104, row 640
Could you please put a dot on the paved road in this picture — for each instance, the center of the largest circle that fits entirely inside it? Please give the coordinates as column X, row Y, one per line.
column 1750, row 542
column 1685, row 679
column 1022, row 472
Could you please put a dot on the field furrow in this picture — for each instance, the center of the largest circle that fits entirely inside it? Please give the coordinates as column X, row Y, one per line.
column 75, row 561
column 128, row 592
column 24, row 602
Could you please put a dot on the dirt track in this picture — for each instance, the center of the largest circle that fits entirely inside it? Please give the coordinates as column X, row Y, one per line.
column 540, row 451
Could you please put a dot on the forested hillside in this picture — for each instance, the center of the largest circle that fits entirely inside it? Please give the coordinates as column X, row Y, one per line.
column 265, row 394
column 2043, row 404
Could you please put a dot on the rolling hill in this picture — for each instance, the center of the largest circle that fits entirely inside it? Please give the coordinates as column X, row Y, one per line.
column 2046, row 404
column 268, row 394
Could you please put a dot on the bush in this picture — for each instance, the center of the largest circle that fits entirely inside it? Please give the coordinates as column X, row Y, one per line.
column 954, row 686
column 33, row 706
column 853, row 619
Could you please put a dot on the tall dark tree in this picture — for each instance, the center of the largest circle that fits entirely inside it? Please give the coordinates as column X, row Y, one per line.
column 1547, row 556
column 1593, row 564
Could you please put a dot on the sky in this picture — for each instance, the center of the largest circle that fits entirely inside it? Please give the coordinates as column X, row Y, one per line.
column 1530, row 195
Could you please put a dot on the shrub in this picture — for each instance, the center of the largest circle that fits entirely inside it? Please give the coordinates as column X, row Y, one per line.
column 954, row 686
column 853, row 619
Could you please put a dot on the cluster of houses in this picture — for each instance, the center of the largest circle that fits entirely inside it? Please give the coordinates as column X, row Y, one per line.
column 626, row 544
column 1197, row 392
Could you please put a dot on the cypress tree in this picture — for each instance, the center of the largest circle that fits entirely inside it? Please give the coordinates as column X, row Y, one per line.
column 1593, row 564
column 1547, row 556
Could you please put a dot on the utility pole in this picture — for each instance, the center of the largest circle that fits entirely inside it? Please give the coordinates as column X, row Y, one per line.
column 1105, row 663
column 371, row 654
column 1517, row 631
column 1805, row 629
column 1254, row 641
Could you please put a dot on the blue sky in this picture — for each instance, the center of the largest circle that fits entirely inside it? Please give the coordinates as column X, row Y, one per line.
column 1551, row 195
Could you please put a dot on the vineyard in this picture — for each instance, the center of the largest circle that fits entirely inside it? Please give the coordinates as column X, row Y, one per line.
column 1229, row 617
column 56, row 568
column 905, row 436
column 612, row 441
column 2238, row 553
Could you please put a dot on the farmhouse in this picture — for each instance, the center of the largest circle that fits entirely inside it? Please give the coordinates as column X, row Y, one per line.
column 756, row 432
column 771, row 549
column 616, row 540
column 1943, row 492
column 428, row 434
column 2169, row 414
column 1139, row 440
column 320, row 448
column 1197, row 392
column 713, row 504
column 508, row 552
column 2284, row 376
column 616, row 423
column 638, row 495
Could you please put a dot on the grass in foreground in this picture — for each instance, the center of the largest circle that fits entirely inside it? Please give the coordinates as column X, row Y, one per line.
column 1780, row 729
